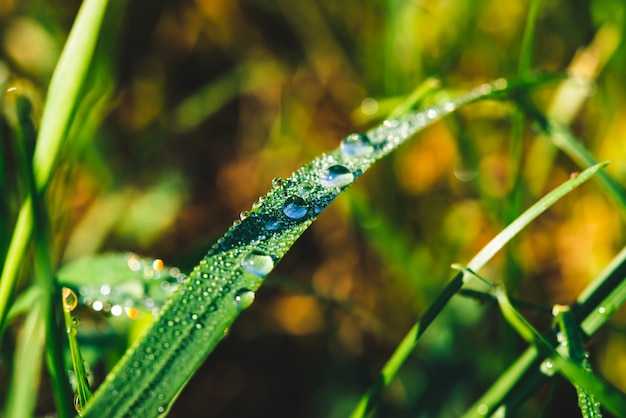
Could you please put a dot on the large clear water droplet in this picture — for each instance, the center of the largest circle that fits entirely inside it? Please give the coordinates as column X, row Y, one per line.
column 356, row 145
column 243, row 299
column 336, row 176
column 257, row 263
column 295, row 207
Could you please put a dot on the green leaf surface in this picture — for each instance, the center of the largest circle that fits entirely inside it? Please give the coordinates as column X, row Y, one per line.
column 198, row 316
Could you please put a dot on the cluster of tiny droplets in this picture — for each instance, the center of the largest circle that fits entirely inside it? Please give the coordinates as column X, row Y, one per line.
column 149, row 292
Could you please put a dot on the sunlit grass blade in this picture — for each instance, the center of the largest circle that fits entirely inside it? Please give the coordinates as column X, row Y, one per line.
column 612, row 399
column 198, row 316
column 44, row 279
column 592, row 309
column 603, row 297
column 571, row 345
column 404, row 349
column 61, row 101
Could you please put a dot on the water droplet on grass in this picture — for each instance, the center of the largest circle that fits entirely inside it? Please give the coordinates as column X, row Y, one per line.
column 547, row 368
column 277, row 182
column 243, row 299
column 336, row 176
column 305, row 189
column 243, row 215
column 295, row 207
column 77, row 405
column 356, row 145
column 257, row 263
column 70, row 300
column 273, row 225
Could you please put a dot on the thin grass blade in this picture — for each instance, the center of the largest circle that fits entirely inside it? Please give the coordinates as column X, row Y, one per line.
column 61, row 100
column 198, row 316
column 613, row 399
column 404, row 349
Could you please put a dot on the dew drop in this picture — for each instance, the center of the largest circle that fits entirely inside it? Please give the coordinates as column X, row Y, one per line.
column 70, row 300
column 243, row 299
column 277, row 182
column 305, row 189
column 257, row 263
column 336, row 176
column 243, row 215
column 273, row 225
column 602, row 309
column 547, row 368
column 356, row 145
column 295, row 207
column 77, row 405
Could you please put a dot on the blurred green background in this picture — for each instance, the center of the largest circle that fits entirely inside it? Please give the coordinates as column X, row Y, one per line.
column 193, row 106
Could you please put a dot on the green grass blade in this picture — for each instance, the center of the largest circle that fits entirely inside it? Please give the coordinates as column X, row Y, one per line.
column 83, row 392
column 152, row 373
column 563, row 138
column 21, row 399
column 404, row 349
column 612, row 398
column 592, row 309
column 44, row 279
column 61, row 101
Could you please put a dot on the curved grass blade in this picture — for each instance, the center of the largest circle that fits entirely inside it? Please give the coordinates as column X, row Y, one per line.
column 612, row 398
column 151, row 374
column 592, row 309
column 61, row 100
column 404, row 349
column 564, row 140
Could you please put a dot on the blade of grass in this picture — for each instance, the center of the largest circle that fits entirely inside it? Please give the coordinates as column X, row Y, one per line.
column 571, row 146
column 60, row 104
column 21, row 399
column 571, row 345
column 151, row 374
column 613, row 399
column 404, row 349
column 523, row 376
column 83, row 392
column 42, row 266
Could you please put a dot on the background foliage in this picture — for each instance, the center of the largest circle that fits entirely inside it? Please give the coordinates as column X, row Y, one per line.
column 206, row 101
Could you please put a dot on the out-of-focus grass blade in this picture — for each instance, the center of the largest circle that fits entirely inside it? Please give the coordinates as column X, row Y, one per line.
column 61, row 99
column 563, row 138
column 409, row 342
column 612, row 398
column 21, row 398
column 592, row 309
